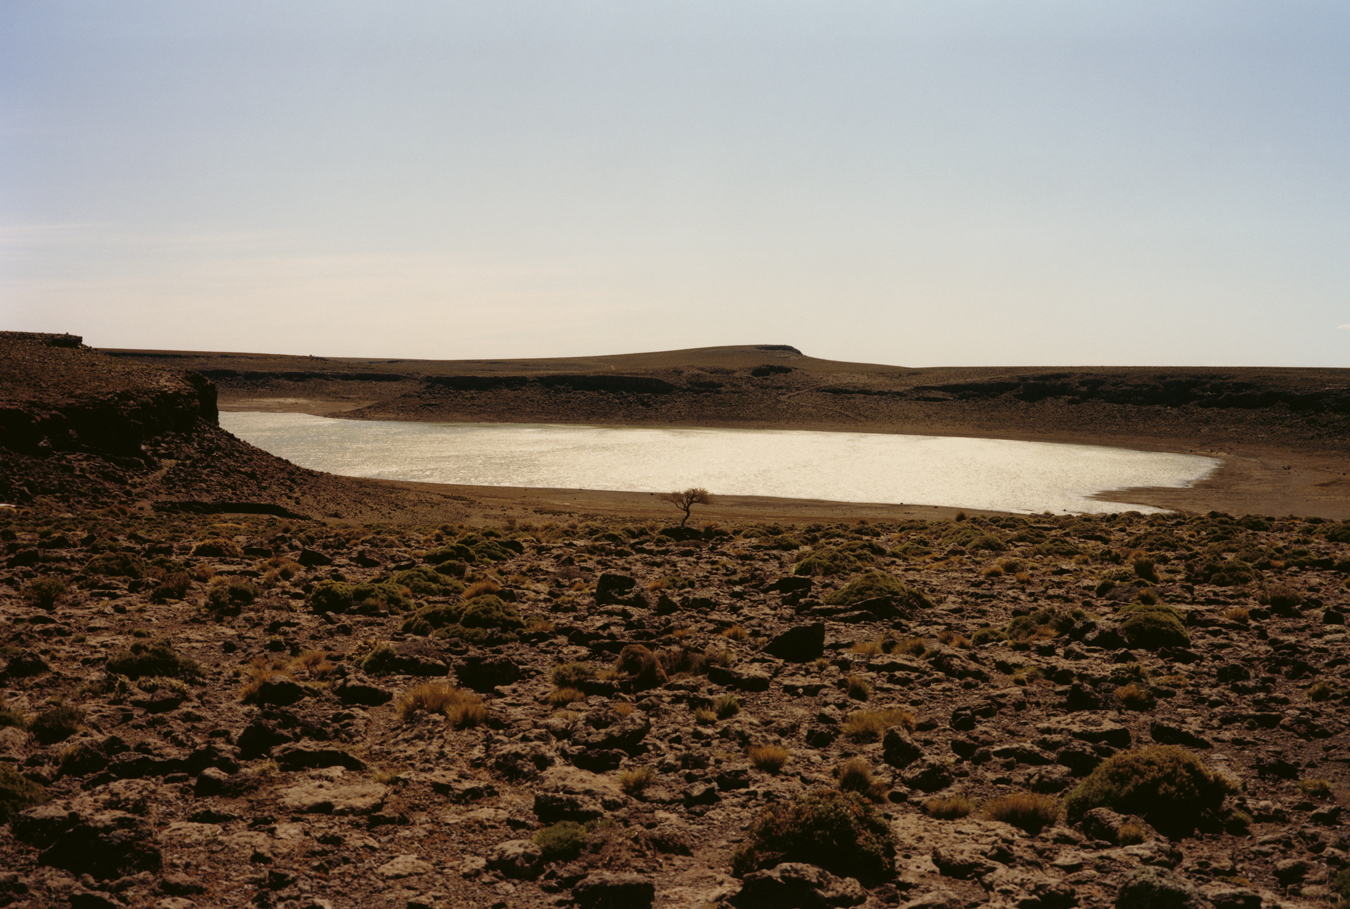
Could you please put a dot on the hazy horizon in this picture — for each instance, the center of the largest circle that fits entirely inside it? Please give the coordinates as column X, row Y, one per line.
column 959, row 183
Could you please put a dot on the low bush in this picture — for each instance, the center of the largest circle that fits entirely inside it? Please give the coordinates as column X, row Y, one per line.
column 45, row 593
column 116, row 565
column 561, row 842
column 330, row 596
column 56, row 724
column 428, row 582
column 1155, row 627
column 174, row 586
column 159, row 658
column 230, row 598
column 572, row 674
column 876, row 584
column 835, row 830
column 1166, row 785
column 217, row 549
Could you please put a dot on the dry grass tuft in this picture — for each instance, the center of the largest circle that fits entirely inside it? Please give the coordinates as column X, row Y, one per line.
column 637, row 779
column 462, row 709
column 769, row 758
column 1030, row 811
column 948, row 807
column 855, row 775
column 868, row 725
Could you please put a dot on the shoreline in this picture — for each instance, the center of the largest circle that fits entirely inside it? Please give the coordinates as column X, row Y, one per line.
column 1270, row 480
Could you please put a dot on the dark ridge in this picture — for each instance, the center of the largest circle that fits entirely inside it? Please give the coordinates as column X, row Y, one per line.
column 293, row 376
column 229, row 508
column 476, row 383
column 788, row 348
column 51, row 340
column 643, row 384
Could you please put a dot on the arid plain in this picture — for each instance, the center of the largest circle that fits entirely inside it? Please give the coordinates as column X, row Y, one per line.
column 230, row 681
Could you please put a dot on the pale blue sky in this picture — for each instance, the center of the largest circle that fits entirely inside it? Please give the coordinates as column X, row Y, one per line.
column 935, row 182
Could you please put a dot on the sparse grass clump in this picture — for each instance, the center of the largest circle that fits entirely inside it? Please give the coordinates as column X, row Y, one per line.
column 1135, row 696
column 17, row 793
column 855, row 775
column 637, row 779
column 948, row 807
column 561, row 697
column 1029, row 811
column 868, row 725
column 835, row 830
column 769, row 758
column 1315, row 788
column 462, row 709
column 858, row 688
column 726, row 706
column 1322, row 690
column 1166, row 785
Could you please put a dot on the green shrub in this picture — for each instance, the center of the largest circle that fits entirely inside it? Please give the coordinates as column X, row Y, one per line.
column 16, row 793
column 56, row 724
column 490, row 612
column 1166, row 785
column 1154, row 628
column 382, row 660
column 562, row 841
column 1340, row 887
column 142, row 659
column 427, row 582
column 230, row 598
column 1053, row 618
column 374, row 599
column 835, row 830
column 573, row 674
column 330, row 596
column 875, row 584
column 217, row 548
column 45, row 593
column 116, row 565
column 173, row 587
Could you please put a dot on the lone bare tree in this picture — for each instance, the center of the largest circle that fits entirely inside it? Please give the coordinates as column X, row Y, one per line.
column 685, row 501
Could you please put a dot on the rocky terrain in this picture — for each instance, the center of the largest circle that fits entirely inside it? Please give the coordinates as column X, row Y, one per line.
column 215, row 706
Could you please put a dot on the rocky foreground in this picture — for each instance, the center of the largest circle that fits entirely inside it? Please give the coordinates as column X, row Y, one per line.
column 210, row 711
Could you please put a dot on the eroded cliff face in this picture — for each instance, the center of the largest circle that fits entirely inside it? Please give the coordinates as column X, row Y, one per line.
column 72, row 418
column 59, row 396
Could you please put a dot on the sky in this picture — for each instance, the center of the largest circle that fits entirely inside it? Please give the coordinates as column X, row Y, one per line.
column 918, row 183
